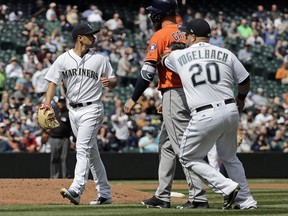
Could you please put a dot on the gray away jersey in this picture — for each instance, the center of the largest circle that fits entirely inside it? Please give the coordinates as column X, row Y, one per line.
column 207, row 72
column 81, row 76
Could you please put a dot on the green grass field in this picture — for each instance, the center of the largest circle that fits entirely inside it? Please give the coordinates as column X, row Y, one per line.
column 270, row 202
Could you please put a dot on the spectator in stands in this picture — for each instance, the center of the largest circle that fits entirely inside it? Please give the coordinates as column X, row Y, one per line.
column 151, row 109
column 245, row 145
column 114, row 56
column 3, row 80
column 259, row 98
column 28, row 89
column 114, row 24
column 281, row 49
column 48, row 60
column 43, row 145
column 30, row 65
column 114, row 143
column 274, row 13
column 29, row 141
column 222, row 20
column 282, row 72
column 141, row 21
column 123, row 70
column 65, row 25
column 244, row 29
column 90, row 11
column 255, row 39
column 102, row 138
column 232, row 31
column 95, row 16
column 147, row 143
column 260, row 144
column 277, row 143
column 261, row 13
column 39, row 83
column 210, row 20
column 262, row 117
column 51, row 13
column 216, row 39
column 188, row 15
column 119, row 122
column 245, row 56
column 72, row 14
column 271, row 36
column 13, row 69
column 42, row 53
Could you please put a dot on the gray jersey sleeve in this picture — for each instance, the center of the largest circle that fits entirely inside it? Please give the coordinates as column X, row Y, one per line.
column 240, row 72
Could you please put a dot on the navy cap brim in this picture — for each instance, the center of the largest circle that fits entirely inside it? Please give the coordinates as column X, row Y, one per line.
column 92, row 32
column 152, row 9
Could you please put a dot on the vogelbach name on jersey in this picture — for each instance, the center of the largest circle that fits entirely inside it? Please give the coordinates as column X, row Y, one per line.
column 202, row 54
column 80, row 72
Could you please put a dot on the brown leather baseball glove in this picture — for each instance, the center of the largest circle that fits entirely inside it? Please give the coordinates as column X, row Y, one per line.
column 46, row 117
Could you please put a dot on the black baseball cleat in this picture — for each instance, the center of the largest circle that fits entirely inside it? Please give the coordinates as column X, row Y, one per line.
column 191, row 205
column 230, row 199
column 154, row 202
column 71, row 195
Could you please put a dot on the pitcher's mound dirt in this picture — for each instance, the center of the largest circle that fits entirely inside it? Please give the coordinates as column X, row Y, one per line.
column 46, row 191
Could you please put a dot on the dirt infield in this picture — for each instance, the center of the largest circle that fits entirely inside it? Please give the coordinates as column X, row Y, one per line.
column 46, row 191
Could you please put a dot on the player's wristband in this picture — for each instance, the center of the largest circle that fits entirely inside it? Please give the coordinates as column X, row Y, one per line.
column 241, row 96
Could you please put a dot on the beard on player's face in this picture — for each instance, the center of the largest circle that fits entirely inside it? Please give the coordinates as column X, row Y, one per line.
column 157, row 25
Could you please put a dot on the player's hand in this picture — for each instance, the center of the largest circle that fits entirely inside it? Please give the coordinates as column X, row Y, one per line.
column 45, row 107
column 105, row 81
column 159, row 109
column 167, row 50
column 129, row 106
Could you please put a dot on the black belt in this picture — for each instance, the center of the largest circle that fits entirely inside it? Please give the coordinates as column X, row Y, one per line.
column 209, row 106
column 167, row 89
column 80, row 104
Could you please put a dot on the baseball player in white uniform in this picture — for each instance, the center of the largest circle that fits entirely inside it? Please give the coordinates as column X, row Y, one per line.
column 84, row 73
column 208, row 74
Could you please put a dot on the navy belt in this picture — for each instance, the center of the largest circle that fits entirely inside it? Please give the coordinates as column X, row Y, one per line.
column 209, row 106
column 75, row 105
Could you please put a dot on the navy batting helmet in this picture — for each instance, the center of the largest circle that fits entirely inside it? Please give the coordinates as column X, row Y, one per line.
column 162, row 8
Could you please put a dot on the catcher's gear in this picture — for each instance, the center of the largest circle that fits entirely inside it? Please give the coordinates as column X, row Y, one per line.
column 162, row 8
column 46, row 117
column 177, row 45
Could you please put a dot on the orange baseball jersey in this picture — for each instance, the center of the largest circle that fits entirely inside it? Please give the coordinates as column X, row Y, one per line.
column 157, row 44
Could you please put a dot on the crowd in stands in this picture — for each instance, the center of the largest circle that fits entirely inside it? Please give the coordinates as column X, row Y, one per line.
column 46, row 32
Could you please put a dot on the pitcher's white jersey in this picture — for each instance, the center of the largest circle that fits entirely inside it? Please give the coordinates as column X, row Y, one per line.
column 204, row 67
column 81, row 76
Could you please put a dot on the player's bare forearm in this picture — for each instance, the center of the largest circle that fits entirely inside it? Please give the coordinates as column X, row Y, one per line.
column 129, row 106
column 50, row 93
column 243, row 89
column 109, row 82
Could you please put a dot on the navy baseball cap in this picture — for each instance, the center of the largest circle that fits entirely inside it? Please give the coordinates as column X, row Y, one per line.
column 83, row 29
column 198, row 27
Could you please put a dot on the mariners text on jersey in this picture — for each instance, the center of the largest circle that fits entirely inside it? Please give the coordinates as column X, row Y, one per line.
column 81, row 72
column 202, row 54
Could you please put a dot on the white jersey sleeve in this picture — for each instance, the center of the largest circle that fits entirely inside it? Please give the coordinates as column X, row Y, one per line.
column 239, row 70
column 53, row 74
column 108, row 70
